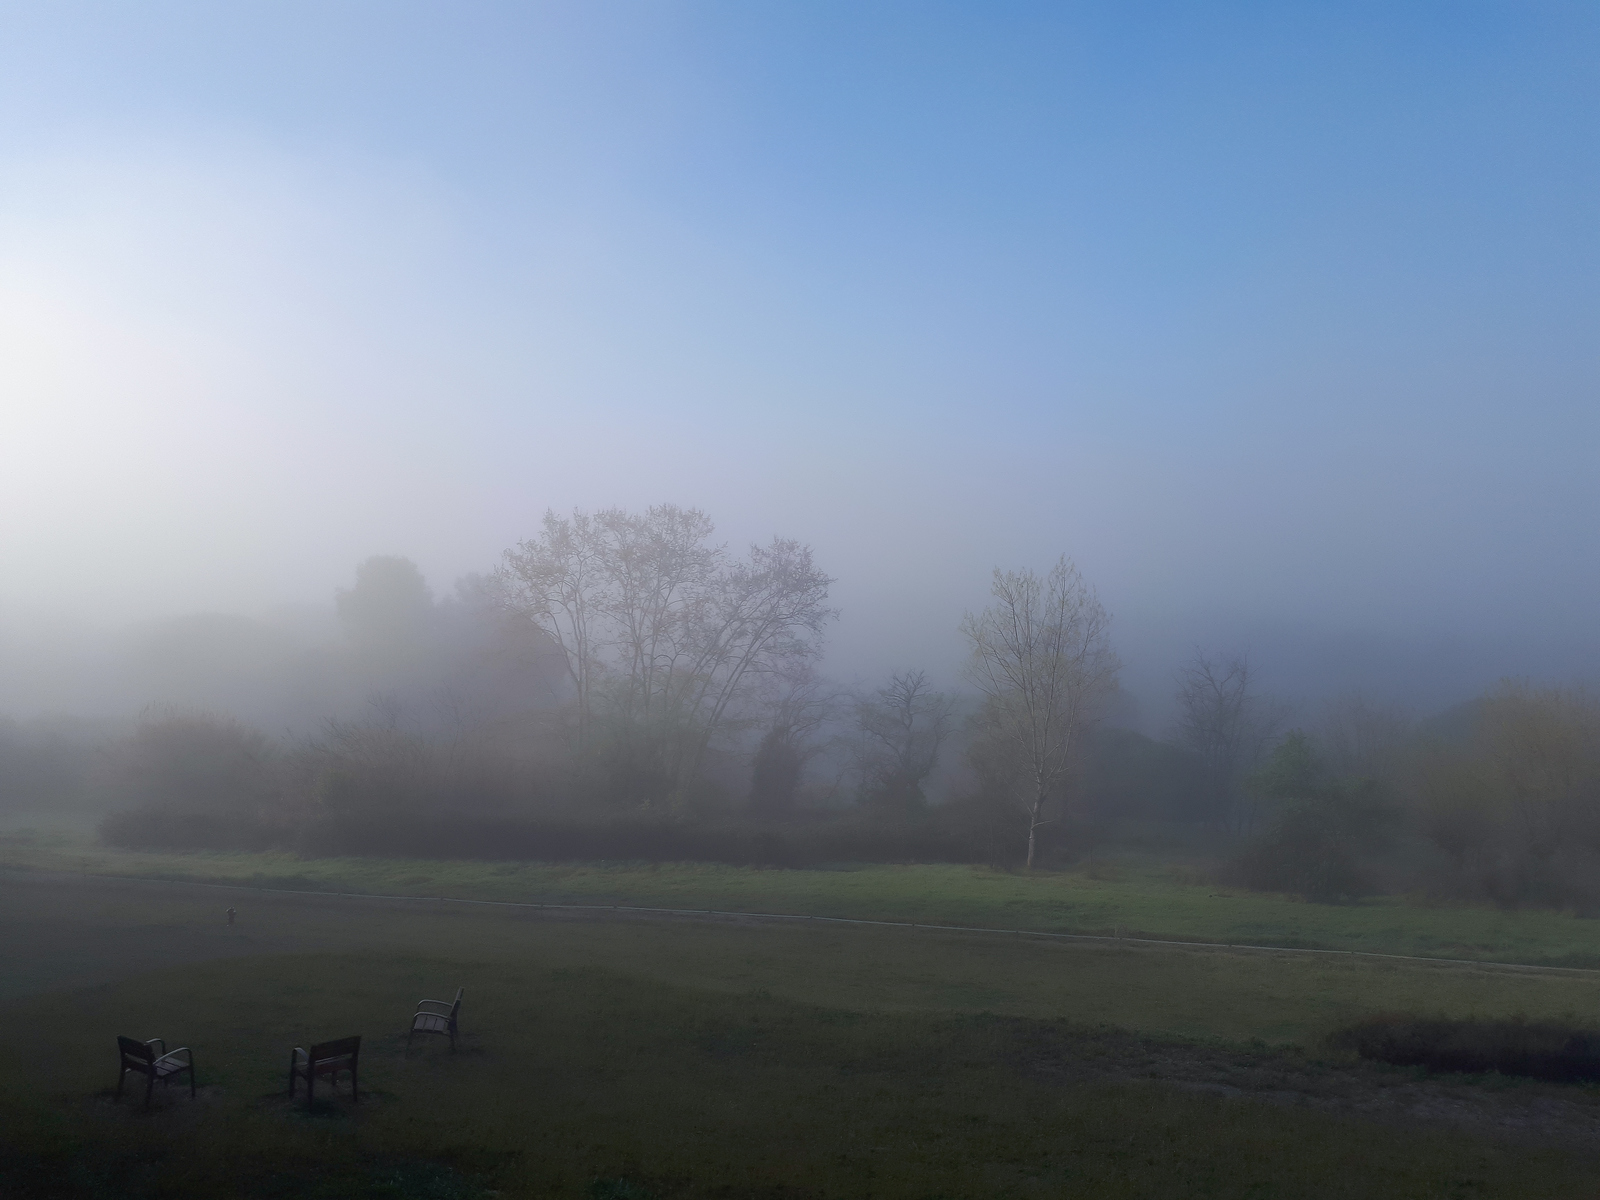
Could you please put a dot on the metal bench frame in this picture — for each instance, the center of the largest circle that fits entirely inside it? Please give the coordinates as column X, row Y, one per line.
column 325, row 1058
column 141, row 1058
column 437, row 1016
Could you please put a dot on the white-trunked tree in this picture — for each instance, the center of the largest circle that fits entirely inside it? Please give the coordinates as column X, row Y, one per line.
column 1042, row 658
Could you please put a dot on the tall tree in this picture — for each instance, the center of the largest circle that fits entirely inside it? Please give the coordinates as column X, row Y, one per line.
column 662, row 576
column 669, row 630
column 1223, row 720
column 801, row 705
column 764, row 622
column 389, row 612
column 1041, row 656
column 561, row 583
column 900, row 730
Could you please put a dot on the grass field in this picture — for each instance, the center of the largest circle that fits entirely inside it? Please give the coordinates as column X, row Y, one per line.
column 1135, row 899
column 631, row 1058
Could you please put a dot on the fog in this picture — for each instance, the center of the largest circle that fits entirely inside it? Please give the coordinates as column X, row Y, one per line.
column 1282, row 332
column 798, row 598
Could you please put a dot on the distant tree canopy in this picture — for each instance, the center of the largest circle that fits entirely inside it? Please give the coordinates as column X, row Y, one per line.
column 1228, row 726
column 389, row 608
column 1511, row 795
column 800, row 706
column 666, row 637
column 900, row 729
column 623, row 673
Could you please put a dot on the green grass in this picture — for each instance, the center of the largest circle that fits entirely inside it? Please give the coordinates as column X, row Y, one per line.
column 575, row 1078
column 624, row 1059
column 75, row 933
column 1149, row 901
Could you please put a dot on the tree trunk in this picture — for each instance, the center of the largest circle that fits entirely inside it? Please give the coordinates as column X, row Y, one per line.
column 1033, row 824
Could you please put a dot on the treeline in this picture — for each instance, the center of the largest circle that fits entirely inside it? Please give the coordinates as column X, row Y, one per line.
column 624, row 687
column 200, row 781
column 1497, row 800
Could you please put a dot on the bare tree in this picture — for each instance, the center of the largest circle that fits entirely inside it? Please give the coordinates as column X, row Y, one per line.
column 663, row 576
column 1041, row 656
column 659, row 629
column 560, row 582
column 1224, row 722
column 764, row 622
column 796, row 711
column 900, row 730
column 1362, row 738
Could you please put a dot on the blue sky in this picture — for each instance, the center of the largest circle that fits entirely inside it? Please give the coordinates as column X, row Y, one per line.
column 1279, row 319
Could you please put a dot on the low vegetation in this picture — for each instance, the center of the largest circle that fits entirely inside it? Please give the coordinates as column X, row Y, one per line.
column 1554, row 1050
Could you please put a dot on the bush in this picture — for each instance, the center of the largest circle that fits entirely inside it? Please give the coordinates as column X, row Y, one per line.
column 1511, row 798
column 1538, row 1049
column 164, row 829
column 424, row 834
column 1322, row 829
column 634, row 839
column 1308, row 851
column 192, row 763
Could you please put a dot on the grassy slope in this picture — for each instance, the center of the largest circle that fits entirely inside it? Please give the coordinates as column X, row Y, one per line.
column 1149, row 902
column 64, row 935
column 691, row 1059
column 578, row 1076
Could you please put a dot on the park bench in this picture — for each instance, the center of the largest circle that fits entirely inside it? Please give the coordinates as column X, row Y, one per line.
column 435, row 1016
column 325, row 1058
column 141, row 1058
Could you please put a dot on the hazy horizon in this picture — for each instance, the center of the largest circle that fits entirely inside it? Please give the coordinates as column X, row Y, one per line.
column 1281, row 325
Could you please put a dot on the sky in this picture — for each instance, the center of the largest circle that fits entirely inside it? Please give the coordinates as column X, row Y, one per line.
column 1279, row 320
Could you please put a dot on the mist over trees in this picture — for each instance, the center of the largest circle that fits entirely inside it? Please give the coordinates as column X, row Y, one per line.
column 623, row 685
column 1228, row 727
column 1042, row 660
column 900, row 729
column 665, row 638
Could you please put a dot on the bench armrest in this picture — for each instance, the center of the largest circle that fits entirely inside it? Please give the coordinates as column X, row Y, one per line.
column 183, row 1050
column 158, row 1042
column 448, row 1008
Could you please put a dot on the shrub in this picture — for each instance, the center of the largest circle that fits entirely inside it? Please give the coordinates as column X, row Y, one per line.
column 396, row 832
column 1308, row 851
column 192, row 763
column 1322, row 828
column 635, row 839
column 1512, row 797
column 164, row 829
column 1538, row 1049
